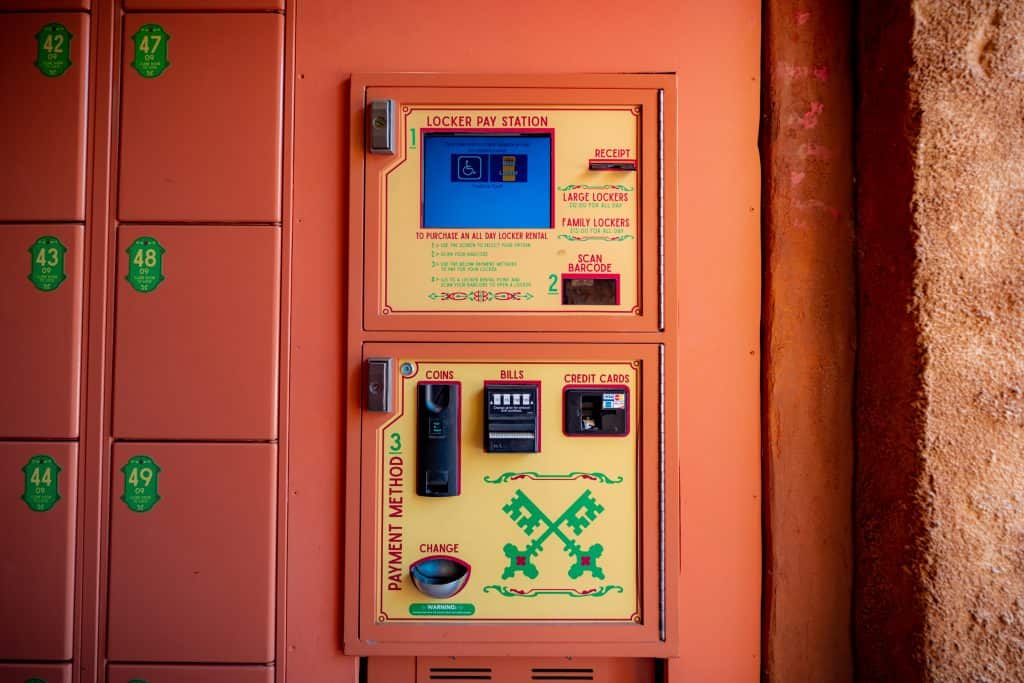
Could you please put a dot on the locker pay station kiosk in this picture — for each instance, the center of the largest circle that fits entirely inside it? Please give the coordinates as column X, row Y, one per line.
column 509, row 475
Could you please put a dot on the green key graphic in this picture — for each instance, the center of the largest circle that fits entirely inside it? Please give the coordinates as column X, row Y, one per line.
column 529, row 517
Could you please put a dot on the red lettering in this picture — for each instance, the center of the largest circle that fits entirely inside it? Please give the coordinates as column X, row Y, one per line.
column 611, row 153
column 440, row 374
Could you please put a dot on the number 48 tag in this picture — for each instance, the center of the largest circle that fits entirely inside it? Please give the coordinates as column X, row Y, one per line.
column 145, row 264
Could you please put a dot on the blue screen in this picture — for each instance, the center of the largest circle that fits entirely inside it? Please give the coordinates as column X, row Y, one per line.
column 486, row 181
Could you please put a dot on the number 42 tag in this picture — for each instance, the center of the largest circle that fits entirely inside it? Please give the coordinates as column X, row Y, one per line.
column 53, row 56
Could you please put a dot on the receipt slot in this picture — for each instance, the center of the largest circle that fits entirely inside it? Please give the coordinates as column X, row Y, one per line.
column 505, row 453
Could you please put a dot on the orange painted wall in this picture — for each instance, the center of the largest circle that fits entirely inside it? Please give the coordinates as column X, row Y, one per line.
column 716, row 53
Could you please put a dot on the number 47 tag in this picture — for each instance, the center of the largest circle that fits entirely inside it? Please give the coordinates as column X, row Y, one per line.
column 150, row 50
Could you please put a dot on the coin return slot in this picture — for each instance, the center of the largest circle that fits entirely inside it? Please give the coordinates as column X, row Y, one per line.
column 439, row 577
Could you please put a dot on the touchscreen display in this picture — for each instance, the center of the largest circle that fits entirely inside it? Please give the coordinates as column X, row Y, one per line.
column 486, row 181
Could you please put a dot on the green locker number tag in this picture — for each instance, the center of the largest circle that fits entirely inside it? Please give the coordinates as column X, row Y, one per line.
column 47, row 263
column 141, row 479
column 150, row 50
column 41, row 472
column 53, row 50
column 145, row 264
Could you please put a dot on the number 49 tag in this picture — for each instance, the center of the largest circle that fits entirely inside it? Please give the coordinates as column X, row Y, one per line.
column 141, row 483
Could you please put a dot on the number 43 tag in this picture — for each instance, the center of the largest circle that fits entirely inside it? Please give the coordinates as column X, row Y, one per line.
column 47, row 263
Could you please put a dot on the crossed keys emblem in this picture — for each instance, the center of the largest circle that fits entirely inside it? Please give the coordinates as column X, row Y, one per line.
column 528, row 517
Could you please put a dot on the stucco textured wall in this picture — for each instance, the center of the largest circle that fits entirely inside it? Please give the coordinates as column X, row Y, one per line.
column 940, row 479
column 968, row 78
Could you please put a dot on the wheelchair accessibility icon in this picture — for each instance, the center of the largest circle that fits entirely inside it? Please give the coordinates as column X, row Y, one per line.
column 470, row 167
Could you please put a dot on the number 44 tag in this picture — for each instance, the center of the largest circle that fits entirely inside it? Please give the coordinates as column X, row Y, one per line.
column 41, row 487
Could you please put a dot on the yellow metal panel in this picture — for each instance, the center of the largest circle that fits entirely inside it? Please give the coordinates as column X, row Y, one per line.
column 581, row 492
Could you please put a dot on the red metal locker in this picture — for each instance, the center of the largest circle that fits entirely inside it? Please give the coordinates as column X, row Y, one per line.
column 126, row 673
column 192, row 553
column 44, row 59
column 41, row 316
column 195, row 353
column 201, row 131
column 37, row 506
column 47, row 673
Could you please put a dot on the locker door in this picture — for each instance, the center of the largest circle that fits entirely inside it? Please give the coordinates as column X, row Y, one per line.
column 45, row 4
column 47, row 673
column 41, row 319
column 195, row 356
column 126, row 673
column 43, row 66
column 37, row 505
column 192, row 553
column 201, row 138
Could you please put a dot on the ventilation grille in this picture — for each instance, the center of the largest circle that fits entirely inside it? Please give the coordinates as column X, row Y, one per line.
column 528, row 670
column 451, row 673
column 562, row 674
